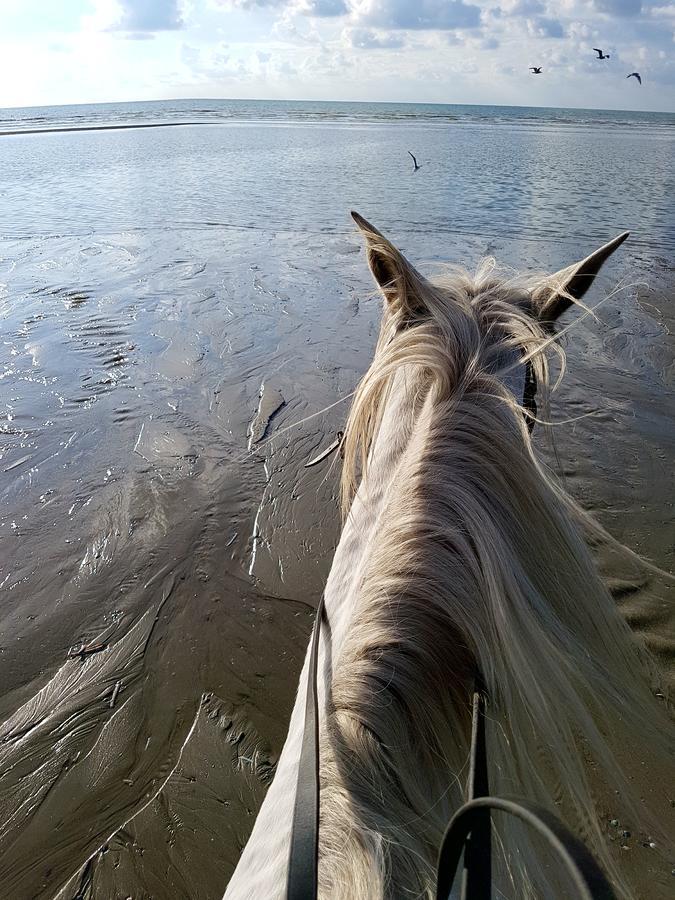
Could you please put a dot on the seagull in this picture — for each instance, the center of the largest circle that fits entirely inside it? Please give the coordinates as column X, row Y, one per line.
column 600, row 53
column 536, row 70
column 415, row 161
column 635, row 75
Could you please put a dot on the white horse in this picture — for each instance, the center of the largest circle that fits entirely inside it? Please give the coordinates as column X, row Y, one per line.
column 459, row 554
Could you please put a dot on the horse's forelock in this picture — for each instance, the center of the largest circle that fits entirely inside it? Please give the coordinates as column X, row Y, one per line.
column 468, row 327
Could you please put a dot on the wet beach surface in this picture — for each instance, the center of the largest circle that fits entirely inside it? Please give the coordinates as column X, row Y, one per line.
column 170, row 301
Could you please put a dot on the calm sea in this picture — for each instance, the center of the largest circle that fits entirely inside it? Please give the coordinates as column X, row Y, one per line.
column 517, row 171
column 152, row 281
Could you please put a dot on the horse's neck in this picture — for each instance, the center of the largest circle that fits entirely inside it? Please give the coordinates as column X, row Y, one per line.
column 262, row 868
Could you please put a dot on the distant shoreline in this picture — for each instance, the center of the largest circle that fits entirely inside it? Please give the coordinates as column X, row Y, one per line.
column 305, row 101
column 61, row 128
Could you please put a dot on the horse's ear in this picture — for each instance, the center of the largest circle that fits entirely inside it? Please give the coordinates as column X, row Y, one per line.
column 570, row 284
column 399, row 281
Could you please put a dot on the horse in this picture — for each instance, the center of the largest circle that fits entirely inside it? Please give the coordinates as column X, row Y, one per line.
column 460, row 555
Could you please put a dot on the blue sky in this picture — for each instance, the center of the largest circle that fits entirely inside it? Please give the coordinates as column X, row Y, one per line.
column 454, row 51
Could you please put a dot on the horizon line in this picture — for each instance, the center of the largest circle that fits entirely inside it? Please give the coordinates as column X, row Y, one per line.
column 352, row 102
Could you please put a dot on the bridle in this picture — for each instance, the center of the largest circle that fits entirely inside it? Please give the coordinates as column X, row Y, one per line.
column 469, row 830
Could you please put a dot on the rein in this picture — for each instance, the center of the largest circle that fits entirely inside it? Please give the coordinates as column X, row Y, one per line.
column 469, row 833
column 469, row 830
column 303, row 864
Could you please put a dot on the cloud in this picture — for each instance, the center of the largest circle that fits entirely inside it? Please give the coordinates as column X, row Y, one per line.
column 323, row 8
column 521, row 7
column 399, row 14
column 545, row 27
column 318, row 8
column 149, row 15
column 366, row 39
column 226, row 64
column 665, row 12
column 417, row 14
column 619, row 7
column 351, row 49
column 140, row 19
column 250, row 4
column 580, row 31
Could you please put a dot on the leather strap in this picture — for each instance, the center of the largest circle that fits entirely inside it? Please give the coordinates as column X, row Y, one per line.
column 469, row 829
column 302, row 881
column 585, row 875
column 477, row 869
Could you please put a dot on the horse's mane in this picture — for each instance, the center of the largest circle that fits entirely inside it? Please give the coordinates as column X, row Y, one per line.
column 462, row 330
column 480, row 566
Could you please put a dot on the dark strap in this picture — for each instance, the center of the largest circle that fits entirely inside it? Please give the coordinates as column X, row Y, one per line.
column 470, row 830
column 303, row 864
column 530, row 396
column 584, row 873
column 477, row 869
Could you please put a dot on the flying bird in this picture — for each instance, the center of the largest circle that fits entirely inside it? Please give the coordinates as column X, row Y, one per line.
column 601, row 54
column 635, row 75
column 415, row 162
column 536, row 70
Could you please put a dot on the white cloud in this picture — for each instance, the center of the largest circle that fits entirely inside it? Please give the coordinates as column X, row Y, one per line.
column 318, row 8
column 545, row 27
column 322, row 8
column 455, row 51
column 522, row 7
column 367, row 39
column 417, row 14
column 136, row 16
column 619, row 7
column 579, row 31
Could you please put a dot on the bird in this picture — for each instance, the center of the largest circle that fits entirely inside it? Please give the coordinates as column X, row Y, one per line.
column 415, row 162
column 635, row 75
column 600, row 53
column 536, row 70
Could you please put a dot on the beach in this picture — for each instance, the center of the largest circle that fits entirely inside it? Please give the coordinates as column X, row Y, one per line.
column 178, row 305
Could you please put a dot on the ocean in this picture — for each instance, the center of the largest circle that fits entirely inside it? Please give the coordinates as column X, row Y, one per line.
column 539, row 174
column 162, row 265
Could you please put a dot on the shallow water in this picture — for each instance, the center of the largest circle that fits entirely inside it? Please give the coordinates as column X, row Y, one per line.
column 153, row 284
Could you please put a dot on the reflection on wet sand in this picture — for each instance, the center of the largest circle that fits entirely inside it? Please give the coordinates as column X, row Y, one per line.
column 164, row 546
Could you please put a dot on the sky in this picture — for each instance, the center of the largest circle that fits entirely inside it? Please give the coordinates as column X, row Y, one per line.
column 439, row 51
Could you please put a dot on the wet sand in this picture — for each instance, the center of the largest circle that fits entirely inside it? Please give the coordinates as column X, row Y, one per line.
column 163, row 552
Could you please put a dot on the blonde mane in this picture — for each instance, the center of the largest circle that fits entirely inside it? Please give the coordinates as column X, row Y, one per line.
column 480, row 566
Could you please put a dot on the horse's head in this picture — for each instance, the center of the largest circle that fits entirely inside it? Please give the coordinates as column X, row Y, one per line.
column 459, row 332
column 462, row 559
